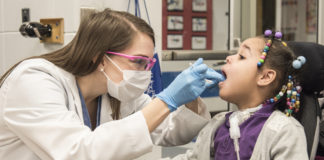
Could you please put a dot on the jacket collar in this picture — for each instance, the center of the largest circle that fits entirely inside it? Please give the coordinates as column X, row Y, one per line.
column 75, row 104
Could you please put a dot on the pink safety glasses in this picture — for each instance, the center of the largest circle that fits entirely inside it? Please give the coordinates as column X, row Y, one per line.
column 147, row 63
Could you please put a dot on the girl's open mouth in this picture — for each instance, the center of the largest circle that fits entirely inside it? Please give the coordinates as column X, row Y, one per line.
column 224, row 74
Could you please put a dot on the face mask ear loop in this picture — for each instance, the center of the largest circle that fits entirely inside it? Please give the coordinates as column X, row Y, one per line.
column 102, row 70
column 114, row 64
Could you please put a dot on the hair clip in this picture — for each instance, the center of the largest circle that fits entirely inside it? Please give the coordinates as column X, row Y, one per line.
column 297, row 63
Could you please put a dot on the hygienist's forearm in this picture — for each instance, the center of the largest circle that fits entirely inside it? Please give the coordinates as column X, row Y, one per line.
column 155, row 112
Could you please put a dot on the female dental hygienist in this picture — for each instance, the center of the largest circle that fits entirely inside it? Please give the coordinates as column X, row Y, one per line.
column 86, row 101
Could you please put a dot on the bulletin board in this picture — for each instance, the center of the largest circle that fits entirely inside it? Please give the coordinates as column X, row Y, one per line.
column 187, row 25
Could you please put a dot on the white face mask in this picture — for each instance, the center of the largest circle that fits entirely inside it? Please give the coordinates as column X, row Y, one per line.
column 134, row 84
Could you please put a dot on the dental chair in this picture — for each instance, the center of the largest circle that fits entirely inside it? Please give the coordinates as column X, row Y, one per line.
column 310, row 114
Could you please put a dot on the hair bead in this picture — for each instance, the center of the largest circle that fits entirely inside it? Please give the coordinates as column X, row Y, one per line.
column 292, row 93
column 284, row 43
column 296, row 64
column 278, row 35
column 298, row 88
column 302, row 59
column 267, row 32
column 266, row 48
column 299, row 62
column 288, row 103
column 281, row 93
column 263, row 57
column 259, row 64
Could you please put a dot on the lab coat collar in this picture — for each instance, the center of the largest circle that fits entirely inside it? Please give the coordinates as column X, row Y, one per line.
column 76, row 103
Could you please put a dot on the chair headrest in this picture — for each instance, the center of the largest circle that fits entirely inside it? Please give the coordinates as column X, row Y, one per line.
column 312, row 76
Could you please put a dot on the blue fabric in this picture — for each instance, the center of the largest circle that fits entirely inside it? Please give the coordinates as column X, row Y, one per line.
column 98, row 111
column 85, row 113
column 155, row 86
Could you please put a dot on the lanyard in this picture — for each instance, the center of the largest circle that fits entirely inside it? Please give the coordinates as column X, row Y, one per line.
column 85, row 113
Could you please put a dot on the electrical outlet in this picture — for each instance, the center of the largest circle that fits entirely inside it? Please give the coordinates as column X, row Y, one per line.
column 25, row 15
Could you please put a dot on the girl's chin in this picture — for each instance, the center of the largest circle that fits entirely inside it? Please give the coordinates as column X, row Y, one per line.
column 223, row 94
column 224, row 97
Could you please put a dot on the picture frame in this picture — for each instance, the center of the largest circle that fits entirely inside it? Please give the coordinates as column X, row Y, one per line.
column 199, row 5
column 175, row 5
column 174, row 41
column 199, row 24
column 198, row 42
column 175, row 23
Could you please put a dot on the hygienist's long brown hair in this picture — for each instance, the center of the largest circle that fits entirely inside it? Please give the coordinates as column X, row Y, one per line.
column 98, row 32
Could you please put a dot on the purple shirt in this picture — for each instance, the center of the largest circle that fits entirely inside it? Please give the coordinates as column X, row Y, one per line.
column 249, row 129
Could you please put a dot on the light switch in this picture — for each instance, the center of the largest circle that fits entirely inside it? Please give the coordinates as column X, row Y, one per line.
column 25, row 15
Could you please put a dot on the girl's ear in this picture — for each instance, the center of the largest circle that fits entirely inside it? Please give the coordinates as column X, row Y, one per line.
column 266, row 77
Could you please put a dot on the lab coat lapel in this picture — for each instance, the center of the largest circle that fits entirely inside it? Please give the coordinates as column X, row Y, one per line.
column 105, row 115
column 74, row 100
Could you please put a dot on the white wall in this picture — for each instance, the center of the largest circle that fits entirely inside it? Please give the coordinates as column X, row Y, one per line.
column 14, row 47
column 248, row 22
column 220, row 24
column 1, row 39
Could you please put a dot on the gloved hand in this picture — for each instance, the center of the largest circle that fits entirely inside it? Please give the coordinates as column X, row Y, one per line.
column 188, row 85
column 213, row 77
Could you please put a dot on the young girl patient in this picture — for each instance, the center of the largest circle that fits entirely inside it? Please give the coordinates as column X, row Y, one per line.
column 262, row 80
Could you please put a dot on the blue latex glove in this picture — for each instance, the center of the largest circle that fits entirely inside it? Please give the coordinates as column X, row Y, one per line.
column 213, row 77
column 188, row 85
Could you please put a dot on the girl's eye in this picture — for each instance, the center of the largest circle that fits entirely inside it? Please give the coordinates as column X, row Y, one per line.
column 241, row 57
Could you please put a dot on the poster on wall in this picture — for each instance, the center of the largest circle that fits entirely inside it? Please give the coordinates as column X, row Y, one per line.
column 199, row 5
column 174, row 41
column 182, row 20
column 199, row 24
column 175, row 22
column 175, row 5
column 198, row 42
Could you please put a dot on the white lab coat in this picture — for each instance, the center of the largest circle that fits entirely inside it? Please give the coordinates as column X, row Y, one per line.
column 41, row 118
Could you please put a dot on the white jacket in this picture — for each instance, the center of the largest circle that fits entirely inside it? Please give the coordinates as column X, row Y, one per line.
column 41, row 118
column 281, row 138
